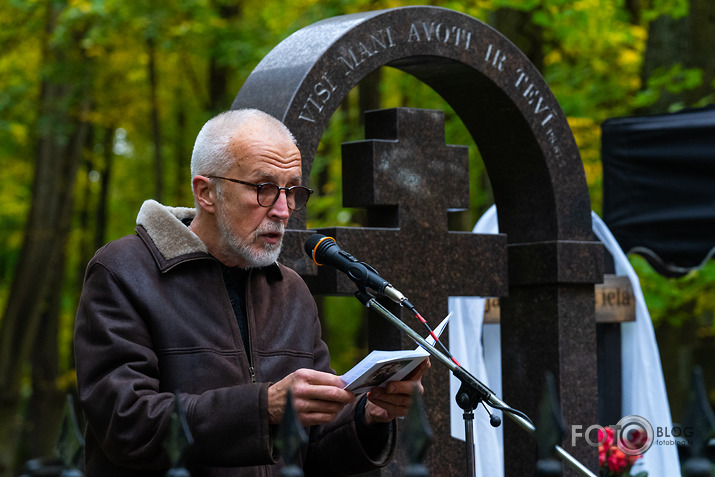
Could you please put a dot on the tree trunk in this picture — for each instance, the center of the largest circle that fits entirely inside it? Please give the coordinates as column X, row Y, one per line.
column 667, row 42
column 702, row 38
column 101, row 222
column 517, row 26
column 84, row 213
column 220, row 98
column 218, row 87
column 182, row 186
column 369, row 94
column 44, row 408
column 155, row 122
column 40, row 269
column 685, row 41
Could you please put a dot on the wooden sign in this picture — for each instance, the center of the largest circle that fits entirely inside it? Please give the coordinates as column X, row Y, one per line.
column 615, row 302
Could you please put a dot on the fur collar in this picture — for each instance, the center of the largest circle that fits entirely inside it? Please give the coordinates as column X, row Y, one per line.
column 164, row 226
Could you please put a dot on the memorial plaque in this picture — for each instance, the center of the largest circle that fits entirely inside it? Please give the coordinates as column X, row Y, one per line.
column 615, row 302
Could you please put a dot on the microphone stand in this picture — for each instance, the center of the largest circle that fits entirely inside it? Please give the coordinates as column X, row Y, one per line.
column 471, row 392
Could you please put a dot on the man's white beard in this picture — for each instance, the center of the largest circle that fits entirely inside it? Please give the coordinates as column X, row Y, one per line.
column 253, row 258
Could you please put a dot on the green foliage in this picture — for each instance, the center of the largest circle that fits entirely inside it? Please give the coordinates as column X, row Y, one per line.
column 676, row 301
column 675, row 79
column 19, row 64
column 593, row 53
column 344, row 319
column 673, row 8
column 592, row 57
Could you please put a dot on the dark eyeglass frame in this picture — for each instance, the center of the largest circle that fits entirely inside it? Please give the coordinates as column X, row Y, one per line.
column 290, row 191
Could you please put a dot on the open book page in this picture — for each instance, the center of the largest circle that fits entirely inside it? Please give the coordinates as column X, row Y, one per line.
column 381, row 367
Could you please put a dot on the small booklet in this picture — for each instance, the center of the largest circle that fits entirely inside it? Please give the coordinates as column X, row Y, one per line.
column 381, row 367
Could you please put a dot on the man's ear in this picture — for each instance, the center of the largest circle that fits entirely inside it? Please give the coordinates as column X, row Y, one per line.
column 204, row 193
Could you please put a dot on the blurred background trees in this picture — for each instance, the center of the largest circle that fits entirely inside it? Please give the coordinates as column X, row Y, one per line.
column 100, row 101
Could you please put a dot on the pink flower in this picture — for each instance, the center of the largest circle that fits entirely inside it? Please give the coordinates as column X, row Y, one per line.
column 617, row 460
column 638, row 437
column 611, row 459
column 609, row 437
column 601, row 455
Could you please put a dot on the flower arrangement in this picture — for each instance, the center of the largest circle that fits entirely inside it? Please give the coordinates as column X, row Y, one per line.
column 612, row 461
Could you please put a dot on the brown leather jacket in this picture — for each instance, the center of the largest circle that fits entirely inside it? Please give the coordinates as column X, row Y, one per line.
column 155, row 318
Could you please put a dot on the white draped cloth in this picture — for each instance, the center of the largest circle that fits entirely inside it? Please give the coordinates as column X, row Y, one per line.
column 477, row 347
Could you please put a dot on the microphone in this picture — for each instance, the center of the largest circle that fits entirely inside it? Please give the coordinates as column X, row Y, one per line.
column 324, row 251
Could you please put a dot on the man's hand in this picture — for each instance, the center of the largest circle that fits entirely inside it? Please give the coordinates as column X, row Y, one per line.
column 394, row 400
column 317, row 397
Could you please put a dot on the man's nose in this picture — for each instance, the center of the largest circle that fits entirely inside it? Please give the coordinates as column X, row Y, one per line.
column 280, row 208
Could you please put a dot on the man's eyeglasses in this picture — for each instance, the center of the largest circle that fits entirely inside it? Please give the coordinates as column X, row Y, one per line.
column 267, row 193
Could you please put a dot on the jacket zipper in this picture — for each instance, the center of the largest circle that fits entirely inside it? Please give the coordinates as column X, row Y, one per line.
column 253, row 374
column 249, row 354
column 249, row 351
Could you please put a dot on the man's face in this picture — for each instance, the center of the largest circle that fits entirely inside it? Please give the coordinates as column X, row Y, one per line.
column 252, row 234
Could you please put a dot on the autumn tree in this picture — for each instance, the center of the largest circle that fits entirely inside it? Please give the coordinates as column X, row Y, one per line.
column 101, row 101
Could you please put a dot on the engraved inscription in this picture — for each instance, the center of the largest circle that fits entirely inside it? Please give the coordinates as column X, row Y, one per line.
column 322, row 92
column 495, row 57
column 357, row 54
column 532, row 95
column 441, row 33
column 551, row 136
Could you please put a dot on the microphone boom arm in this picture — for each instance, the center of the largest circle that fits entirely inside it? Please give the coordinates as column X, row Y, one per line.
column 466, row 378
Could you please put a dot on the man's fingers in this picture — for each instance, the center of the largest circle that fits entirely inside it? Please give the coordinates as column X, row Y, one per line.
column 318, row 397
column 395, row 398
column 417, row 373
column 322, row 393
column 312, row 376
column 402, row 387
column 388, row 409
column 314, row 392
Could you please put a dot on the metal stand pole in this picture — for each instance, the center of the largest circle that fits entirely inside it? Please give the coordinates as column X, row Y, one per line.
column 469, row 442
column 478, row 390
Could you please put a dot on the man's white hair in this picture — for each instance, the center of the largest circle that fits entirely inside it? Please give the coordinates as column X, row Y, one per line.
column 212, row 154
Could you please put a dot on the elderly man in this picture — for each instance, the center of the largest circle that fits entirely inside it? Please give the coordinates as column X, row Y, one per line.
column 196, row 303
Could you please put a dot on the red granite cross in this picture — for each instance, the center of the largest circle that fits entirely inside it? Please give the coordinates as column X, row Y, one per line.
column 407, row 178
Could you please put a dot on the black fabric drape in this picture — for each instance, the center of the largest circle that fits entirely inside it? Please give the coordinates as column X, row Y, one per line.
column 659, row 187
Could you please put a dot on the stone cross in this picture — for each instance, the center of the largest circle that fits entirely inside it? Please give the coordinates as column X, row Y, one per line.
column 407, row 178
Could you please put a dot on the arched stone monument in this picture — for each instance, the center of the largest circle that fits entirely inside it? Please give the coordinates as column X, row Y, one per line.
column 544, row 263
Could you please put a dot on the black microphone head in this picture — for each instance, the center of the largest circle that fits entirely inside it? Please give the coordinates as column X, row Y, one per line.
column 323, row 249
column 313, row 242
